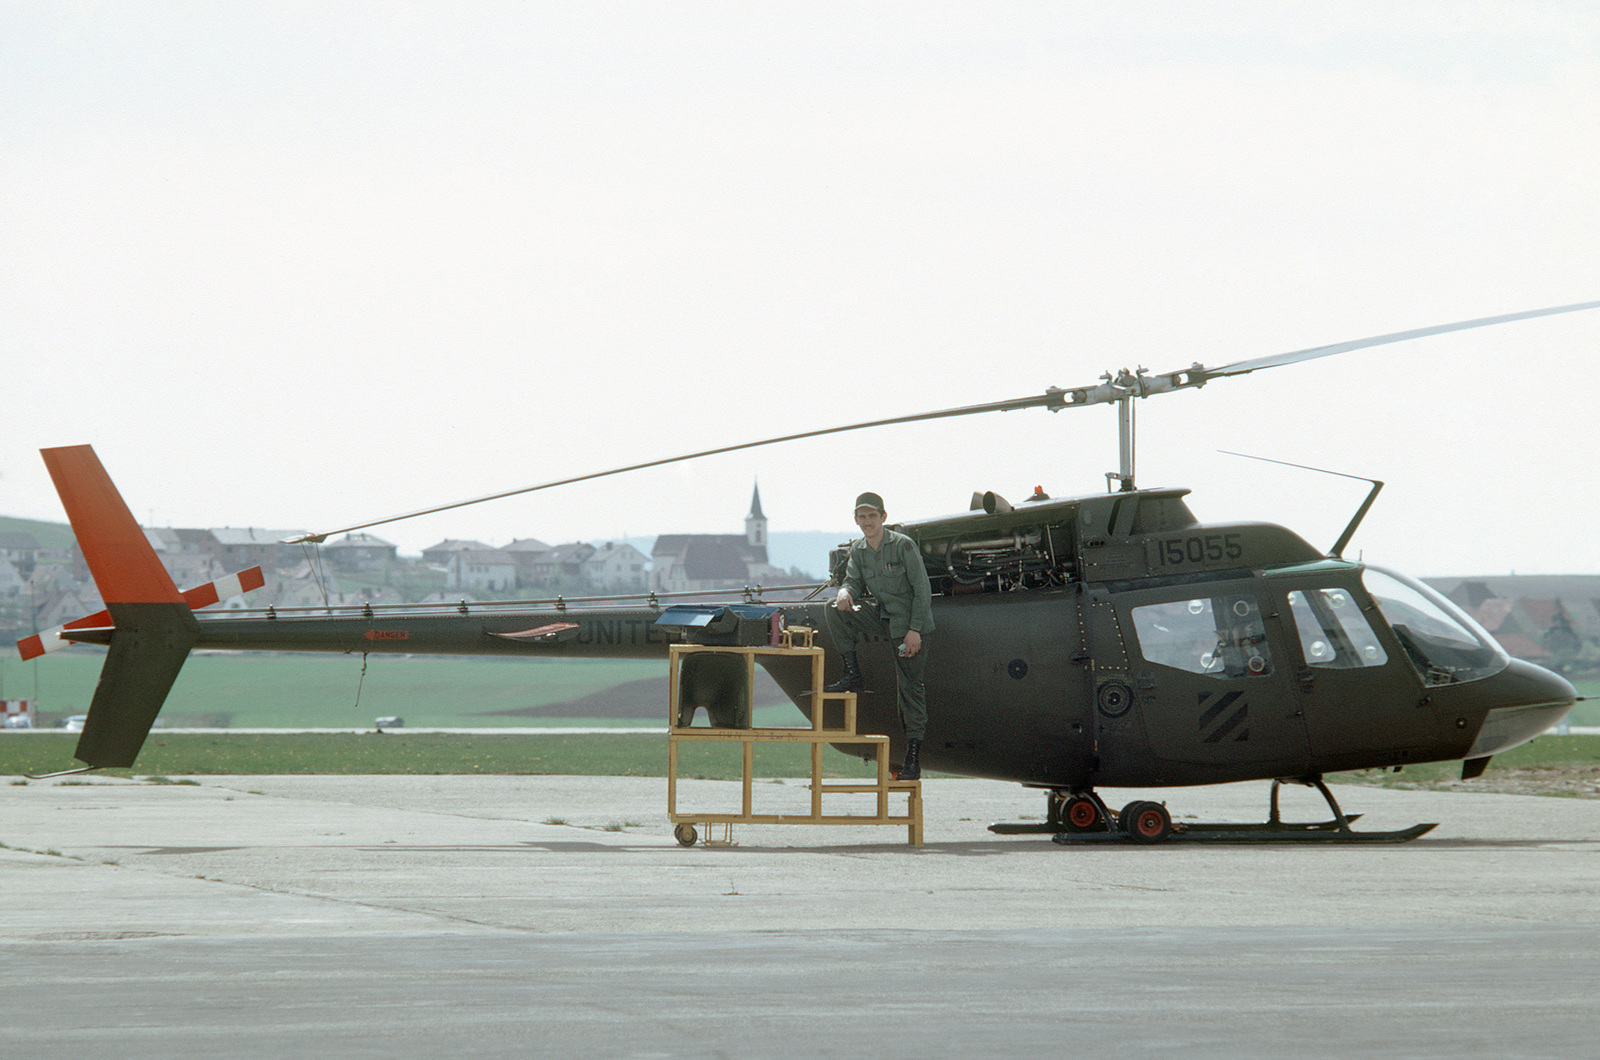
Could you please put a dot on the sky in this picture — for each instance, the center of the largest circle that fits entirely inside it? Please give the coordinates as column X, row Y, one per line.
column 306, row 265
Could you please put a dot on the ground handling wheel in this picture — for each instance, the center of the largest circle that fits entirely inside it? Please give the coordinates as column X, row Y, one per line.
column 1082, row 814
column 685, row 834
column 1145, row 822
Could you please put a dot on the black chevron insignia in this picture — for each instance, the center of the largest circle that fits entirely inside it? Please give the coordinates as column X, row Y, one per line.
column 1216, row 730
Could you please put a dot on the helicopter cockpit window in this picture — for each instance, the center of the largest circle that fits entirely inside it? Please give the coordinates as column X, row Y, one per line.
column 1333, row 631
column 1444, row 645
column 1220, row 636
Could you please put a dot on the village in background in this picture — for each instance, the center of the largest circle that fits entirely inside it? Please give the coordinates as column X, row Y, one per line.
column 45, row 583
column 1549, row 619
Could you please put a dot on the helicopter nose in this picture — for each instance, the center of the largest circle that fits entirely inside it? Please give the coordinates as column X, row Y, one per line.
column 1527, row 701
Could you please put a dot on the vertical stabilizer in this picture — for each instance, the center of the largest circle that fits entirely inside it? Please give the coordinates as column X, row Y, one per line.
column 125, row 568
column 154, row 628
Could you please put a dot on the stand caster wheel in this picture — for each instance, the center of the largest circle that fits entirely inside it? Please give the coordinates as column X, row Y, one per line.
column 1145, row 822
column 685, row 834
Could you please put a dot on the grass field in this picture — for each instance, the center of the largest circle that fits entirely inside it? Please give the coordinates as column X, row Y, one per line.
column 424, row 753
column 1566, row 753
column 320, row 691
column 264, row 691
column 583, row 755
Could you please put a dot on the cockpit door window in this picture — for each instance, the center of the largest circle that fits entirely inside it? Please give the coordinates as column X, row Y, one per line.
column 1333, row 631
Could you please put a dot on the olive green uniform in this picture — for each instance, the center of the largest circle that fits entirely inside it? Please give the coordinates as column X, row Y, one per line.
column 893, row 576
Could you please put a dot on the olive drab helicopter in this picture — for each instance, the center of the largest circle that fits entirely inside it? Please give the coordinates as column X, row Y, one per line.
column 1100, row 641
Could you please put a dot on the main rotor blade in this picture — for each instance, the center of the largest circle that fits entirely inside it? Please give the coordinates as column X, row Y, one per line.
column 1122, row 387
column 1273, row 361
column 1052, row 397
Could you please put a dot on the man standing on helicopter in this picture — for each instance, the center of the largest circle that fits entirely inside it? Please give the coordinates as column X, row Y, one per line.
column 886, row 566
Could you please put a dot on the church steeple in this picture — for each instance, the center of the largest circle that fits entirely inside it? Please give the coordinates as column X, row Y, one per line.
column 755, row 524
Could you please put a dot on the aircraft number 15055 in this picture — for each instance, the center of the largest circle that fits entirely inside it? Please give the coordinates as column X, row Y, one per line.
column 1207, row 548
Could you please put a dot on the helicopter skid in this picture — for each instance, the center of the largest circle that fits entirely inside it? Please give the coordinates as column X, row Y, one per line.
column 1051, row 828
column 1318, row 832
column 1149, row 822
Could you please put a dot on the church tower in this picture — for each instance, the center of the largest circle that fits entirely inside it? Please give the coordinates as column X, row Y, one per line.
column 755, row 524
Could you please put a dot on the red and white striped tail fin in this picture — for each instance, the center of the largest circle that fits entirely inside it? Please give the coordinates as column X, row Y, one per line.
column 224, row 588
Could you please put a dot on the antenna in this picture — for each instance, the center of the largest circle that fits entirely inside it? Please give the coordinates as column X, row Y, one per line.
column 1337, row 552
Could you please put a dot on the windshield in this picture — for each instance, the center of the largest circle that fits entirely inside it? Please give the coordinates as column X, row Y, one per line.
column 1441, row 642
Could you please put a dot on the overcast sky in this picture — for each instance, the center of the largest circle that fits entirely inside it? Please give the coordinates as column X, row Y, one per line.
column 305, row 265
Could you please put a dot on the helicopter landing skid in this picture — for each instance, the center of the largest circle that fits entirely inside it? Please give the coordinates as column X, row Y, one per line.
column 1149, row 822
column 1319, row 832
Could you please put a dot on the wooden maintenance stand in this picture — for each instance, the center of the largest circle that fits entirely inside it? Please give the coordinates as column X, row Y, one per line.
column 816, row 736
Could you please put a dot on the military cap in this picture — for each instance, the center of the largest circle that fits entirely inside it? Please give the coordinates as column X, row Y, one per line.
column 870, row 500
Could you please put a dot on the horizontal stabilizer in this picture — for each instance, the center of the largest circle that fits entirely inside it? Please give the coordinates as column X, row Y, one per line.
column 225, row 588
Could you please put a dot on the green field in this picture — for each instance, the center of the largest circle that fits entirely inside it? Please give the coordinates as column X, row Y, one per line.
column 320, row 691
column 424, row 753
column 1587, row 713
column 577, row 755
column 266, row 691
column 1546, row 752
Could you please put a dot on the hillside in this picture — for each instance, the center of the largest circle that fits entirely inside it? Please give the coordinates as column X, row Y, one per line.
column 49, row 535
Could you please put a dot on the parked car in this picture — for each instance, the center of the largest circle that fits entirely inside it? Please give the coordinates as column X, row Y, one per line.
column 75, row 723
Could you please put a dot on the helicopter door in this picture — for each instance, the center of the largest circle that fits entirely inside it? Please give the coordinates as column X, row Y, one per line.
column 1357, row 694
column 1213, row 688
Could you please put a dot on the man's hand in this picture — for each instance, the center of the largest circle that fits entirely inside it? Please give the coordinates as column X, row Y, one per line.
column 843, row 601
column 913, row 642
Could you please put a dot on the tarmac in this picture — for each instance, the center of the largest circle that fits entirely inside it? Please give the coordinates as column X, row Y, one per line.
column 534, row 915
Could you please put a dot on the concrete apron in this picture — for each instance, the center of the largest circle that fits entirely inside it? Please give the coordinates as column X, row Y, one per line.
column 335, row 893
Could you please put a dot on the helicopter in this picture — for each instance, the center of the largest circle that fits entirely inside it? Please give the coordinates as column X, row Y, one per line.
column 1099, row 641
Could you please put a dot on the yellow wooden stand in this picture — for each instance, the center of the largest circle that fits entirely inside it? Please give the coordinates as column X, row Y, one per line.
column 816, row 736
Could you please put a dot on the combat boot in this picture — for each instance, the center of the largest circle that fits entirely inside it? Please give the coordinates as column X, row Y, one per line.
column 850, row 680
column 912, row 770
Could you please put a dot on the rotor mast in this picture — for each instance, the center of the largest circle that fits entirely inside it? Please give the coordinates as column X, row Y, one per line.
column 1125, row 442
column 1123, row 389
